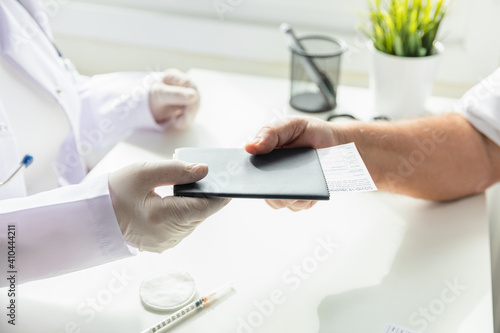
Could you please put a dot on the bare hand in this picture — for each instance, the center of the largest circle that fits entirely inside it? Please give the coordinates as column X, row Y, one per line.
column 291, row 133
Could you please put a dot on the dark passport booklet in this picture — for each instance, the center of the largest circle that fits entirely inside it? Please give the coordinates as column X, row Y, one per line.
column 293, row 174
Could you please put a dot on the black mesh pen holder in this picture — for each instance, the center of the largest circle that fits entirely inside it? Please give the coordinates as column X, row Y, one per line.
column 315, row 73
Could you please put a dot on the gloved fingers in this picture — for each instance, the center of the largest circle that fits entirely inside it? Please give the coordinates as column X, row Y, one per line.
column 169, row 102
column 175, row 77
column 148, row 175
column 174, row 218
column 159, row 243
column 174, row 95
column 172, row 235
column 160, row 232
column 158, row 229
column 183, row 120
column 180, row 122
column 186, row 210
column 172, row 112
column 149, row 222
column 179, row 116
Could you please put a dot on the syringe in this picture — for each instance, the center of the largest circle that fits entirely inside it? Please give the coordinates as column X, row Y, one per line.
column 190, row 308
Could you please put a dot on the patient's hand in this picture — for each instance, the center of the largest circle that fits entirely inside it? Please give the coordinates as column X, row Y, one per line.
column 294, row 132
column 294, row 205
column 291, row 133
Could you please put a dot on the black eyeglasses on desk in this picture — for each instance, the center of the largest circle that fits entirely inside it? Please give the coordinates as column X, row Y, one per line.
column 350, row 116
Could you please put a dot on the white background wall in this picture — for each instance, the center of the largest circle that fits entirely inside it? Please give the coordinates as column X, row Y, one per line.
column 242, row 36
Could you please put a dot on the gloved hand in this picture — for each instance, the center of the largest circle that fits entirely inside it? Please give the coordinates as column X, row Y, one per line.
column 174, row 100
column 291, row 133
column 149, row 222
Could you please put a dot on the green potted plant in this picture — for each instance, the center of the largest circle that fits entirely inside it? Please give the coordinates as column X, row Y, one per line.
column 402, row 40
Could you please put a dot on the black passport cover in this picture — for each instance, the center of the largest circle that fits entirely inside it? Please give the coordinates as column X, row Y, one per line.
column 293, row 174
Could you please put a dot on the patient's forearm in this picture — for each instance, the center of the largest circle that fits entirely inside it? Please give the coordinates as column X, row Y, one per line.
column 438, row 157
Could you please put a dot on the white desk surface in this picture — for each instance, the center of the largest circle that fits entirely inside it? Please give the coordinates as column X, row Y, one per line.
column 393, row 257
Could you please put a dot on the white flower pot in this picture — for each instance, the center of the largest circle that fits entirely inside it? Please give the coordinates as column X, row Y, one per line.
column 402, row 85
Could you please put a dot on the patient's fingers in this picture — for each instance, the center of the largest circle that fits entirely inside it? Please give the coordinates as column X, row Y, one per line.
column 294, row 205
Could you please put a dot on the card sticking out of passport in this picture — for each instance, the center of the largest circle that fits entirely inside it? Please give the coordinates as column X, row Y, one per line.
column 292, row 174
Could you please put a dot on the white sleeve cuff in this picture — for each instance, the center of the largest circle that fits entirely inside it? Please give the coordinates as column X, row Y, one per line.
column 63, row 230
column 481, row 106
column 106, row 226
column 119, row 100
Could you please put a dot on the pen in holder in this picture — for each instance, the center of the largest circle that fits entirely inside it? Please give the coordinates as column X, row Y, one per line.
column 315, row 71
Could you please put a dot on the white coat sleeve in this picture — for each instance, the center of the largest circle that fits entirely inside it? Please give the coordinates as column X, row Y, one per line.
column 59, row 231
column 481, row 106
column 115, row 104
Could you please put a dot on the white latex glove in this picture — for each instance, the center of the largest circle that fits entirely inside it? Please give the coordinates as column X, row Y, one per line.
column 174, row 100
column 149, row 222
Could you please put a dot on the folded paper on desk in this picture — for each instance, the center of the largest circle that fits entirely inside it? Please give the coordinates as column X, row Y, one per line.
column 293, row 174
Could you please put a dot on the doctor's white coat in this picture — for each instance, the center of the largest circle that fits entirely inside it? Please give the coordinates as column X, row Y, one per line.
column 57, row 229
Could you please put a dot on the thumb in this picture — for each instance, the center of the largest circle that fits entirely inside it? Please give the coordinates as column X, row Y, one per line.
column 177, row 78
column 264, row 142
column 189, row 210
column 276, row 135
column 153, row 174
column 285, row 133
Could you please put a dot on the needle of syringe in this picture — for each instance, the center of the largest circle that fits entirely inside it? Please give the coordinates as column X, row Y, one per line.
column 190, row 308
